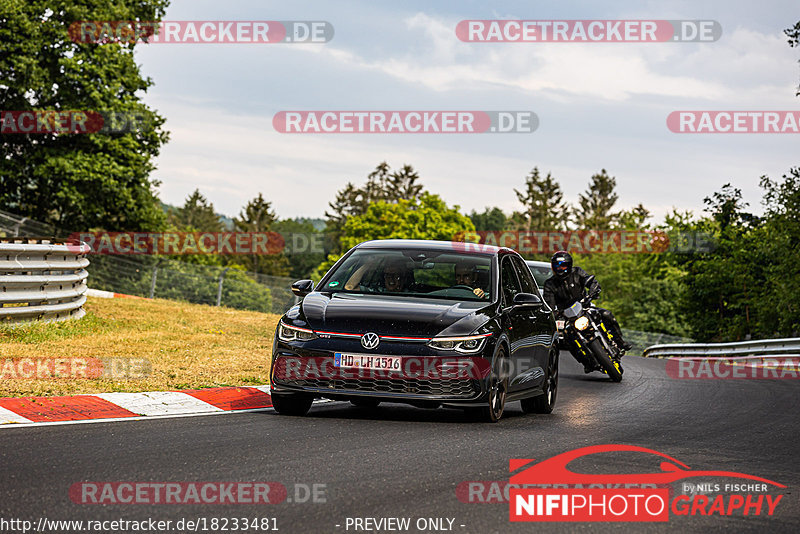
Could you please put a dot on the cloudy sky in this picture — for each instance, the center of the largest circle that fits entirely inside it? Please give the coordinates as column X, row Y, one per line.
column 600, row 105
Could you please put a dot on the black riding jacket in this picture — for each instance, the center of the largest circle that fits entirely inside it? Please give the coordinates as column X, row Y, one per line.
column 561, row 293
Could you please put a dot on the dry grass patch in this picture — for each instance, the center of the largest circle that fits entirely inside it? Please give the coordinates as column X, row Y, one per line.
column 184, row 345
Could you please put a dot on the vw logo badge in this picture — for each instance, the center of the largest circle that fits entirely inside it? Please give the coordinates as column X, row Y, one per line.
column 370, row 340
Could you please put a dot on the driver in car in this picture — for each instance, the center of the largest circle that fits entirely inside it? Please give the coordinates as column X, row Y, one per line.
column 567, row 285
column 395, row 276
column 467, row 275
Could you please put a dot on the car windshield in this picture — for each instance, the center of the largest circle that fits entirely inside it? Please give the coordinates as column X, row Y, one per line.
column 414, row 273
column 540, row 272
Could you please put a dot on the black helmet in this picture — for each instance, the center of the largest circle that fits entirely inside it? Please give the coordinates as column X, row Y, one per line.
column 561, row 262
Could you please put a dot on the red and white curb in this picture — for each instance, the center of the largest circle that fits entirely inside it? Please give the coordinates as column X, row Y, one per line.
column 29, row 411
column 99, row 293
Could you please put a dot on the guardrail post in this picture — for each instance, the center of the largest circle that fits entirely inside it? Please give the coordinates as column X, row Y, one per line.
column 153, row 281
column 219, row 287
column 18, row 226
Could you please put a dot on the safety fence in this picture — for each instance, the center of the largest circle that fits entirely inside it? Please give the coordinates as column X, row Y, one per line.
column 169, row 278
column 163, row 277
column 41, row 279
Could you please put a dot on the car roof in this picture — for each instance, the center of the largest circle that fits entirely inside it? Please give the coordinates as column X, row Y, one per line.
column 439, row 246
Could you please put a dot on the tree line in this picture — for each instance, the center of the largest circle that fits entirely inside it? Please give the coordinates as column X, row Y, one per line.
column 743, row 288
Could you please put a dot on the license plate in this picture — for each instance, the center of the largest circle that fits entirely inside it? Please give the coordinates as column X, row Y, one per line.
column 560, row 325
column 365, row 361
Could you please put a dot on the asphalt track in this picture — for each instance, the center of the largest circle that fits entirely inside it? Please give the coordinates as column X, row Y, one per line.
column 399, row 461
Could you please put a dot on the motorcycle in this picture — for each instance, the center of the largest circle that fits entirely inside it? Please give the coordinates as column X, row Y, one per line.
column 582, row 331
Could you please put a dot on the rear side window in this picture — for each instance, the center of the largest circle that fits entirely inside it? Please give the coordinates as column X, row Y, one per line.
column 526, row 281
column 508, row 281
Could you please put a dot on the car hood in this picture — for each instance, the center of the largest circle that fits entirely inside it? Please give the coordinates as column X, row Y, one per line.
column 391, row 315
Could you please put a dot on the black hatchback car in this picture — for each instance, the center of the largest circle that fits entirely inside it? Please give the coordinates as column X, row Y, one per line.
column 428, row 323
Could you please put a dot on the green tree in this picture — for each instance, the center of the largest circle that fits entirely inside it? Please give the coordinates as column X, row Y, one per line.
column 258, row 216
column 721, row 283
column 77, row 181
column 543, row 202
column 594, row 207
column 643, row 290
column 382, row 185
column 778, row 241
column 793, row 34
column 634, row 219
column 403, row 184
column 425, row 218
column 491, row 220
column 647, row 291
column 197, row 215
column 346, row 204
column 304, row 246
column 727, row 207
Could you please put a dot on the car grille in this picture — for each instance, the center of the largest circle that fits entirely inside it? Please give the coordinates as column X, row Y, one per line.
column 450, row 387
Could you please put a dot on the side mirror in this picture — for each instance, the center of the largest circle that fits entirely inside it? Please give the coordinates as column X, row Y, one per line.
column 301, row 288
column 528, row 299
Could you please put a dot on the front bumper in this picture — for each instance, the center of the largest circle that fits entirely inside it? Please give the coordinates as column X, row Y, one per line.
column 382, row 384
column 448, row 379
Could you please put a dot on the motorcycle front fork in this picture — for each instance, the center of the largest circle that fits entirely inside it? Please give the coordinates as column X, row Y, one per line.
column 612, row 341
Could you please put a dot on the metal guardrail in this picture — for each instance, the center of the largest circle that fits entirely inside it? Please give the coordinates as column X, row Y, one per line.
column 765, row 347
column 42, row 279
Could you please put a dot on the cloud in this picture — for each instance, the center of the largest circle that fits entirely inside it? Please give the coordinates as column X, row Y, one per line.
column 605, row 71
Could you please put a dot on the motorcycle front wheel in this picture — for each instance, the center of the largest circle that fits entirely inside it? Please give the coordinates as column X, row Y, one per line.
column 603, row 358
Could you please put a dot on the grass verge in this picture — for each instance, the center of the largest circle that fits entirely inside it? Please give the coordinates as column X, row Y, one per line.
column 181, row 346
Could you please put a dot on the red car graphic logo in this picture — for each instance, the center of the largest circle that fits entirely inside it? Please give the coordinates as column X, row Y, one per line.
column 554, row 470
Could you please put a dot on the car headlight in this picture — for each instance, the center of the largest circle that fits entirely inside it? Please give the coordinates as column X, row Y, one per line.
column 582, row 322
column 294, row 333
column 463, row 344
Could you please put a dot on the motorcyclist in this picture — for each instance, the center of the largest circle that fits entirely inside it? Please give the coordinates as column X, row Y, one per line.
column 567, row 285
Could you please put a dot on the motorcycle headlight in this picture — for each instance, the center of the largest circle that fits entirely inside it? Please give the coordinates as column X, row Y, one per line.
column 294, row 333
column 463, row 344
column 582, row 323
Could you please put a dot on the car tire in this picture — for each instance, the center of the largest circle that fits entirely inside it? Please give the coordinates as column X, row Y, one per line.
column 365, row 402
column 546, row 402
column 291, row 404
column 498, row 387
